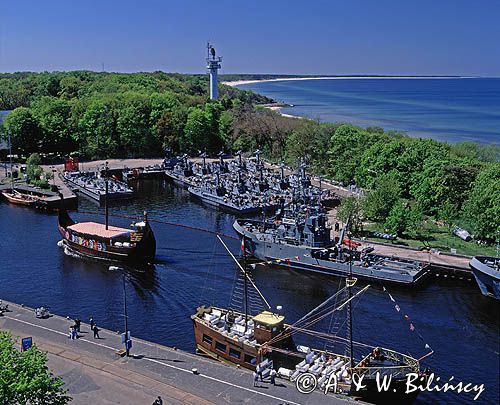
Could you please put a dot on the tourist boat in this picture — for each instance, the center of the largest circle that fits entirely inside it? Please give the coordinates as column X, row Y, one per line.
column 264, row 341
column 102, row 241
column 486, row 271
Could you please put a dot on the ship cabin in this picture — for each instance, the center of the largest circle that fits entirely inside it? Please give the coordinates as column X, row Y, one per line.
column 223, row 335
column 267, row 326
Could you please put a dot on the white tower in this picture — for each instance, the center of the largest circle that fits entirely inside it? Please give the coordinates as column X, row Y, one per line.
column 213, row 65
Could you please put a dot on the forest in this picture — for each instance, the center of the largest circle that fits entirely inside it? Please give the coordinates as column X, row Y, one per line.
column 104, row 115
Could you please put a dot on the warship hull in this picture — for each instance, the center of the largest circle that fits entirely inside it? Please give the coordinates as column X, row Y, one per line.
column 301, row 257
column 486, row 275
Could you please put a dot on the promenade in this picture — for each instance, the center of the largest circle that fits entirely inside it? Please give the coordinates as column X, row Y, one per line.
column 95, row 373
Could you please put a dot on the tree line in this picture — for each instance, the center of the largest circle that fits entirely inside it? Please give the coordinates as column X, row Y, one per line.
column 103, row 115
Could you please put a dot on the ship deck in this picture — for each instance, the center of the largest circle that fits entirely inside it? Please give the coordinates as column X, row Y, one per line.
column 97, row 229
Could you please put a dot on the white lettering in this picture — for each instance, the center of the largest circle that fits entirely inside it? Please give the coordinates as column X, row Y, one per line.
column 479, row 388
column 385, row 383
column 409, row 380
column 331, row 384
column 358, row 381
column 459, row 387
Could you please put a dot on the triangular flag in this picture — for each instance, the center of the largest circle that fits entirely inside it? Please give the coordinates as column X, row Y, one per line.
column 412, row 328
column 427, row 346
column 397, row 307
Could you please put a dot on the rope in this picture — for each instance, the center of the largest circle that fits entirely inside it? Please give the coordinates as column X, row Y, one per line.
column 159, row 221
column 245, row 273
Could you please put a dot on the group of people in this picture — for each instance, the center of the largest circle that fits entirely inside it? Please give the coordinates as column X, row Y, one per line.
column 74, row 329
column 258, row 375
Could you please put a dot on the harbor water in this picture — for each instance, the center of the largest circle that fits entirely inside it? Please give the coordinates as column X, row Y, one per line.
column 451, row 110
column 192, row 268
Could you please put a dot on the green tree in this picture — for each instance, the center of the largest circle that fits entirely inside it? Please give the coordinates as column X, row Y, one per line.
column 379, row 202
column 24, row 377
column 54, row 116
column 351, row 208
column 404, row 219
column 24, row 130
column 482, row 209
column 197, row 130
column 97, row 130
column 444, row 183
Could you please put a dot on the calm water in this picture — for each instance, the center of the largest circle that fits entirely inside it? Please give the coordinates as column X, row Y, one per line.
column 451, row 110
column 192, row 269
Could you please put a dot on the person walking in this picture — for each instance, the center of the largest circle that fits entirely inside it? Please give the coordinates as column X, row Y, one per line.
column 272, row 375
column 96, row 332
column 77, row 325
column 92, row 323
column 72, row 332
column 255, row 378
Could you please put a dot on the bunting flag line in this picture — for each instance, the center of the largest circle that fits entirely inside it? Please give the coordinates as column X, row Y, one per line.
column 407, row 318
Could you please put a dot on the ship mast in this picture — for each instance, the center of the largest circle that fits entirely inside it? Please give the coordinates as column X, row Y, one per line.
column 349, row 283
column 243, row 247
column 10, row 158
column 106, row 195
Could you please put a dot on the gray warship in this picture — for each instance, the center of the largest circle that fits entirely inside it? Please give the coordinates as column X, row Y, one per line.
column 301, row 239
column 487, row 274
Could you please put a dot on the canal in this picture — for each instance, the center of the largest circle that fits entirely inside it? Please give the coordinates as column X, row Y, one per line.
column 192, row 268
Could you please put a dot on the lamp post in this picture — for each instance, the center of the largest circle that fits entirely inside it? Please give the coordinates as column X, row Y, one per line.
column 126, row 340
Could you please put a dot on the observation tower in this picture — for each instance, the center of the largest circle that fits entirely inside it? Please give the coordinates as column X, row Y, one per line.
column 213, row 65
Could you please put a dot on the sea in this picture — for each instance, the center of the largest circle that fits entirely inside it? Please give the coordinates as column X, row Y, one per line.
column 192, row 268
column 446, row 109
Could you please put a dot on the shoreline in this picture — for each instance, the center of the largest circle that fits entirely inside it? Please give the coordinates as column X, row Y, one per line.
column 236, row 83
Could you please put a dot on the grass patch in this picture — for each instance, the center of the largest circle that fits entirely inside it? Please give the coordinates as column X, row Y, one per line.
column 437, row 237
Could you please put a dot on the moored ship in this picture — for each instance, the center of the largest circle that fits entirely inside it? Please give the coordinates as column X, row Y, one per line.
column 486, row 271
column 301, row 239
column 264, row 341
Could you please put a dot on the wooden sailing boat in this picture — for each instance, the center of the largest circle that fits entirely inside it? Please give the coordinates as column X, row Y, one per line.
column 102, row 241
column 12, row 195
column 265, row 341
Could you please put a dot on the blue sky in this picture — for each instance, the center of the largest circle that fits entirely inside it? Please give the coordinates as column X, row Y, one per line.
column 273, row 36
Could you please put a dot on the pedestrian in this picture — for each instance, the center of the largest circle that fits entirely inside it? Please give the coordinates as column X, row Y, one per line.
column 255, row 378
column 77, row 325
column 272, row 374
column 70, row 335
column 259, row 372
column 92, row 323
column 96, row 332
column 158, row 401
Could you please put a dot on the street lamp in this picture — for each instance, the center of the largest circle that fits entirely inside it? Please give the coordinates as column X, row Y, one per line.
column 126, row 336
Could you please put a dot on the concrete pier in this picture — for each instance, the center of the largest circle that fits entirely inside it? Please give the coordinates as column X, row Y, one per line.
column 94, row 372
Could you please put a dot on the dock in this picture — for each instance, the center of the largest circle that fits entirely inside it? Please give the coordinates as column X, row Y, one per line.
column 52, row 200
column 95, row 371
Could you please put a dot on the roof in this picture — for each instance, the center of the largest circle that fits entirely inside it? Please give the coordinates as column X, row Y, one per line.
column 94, row 228
column 268, row 318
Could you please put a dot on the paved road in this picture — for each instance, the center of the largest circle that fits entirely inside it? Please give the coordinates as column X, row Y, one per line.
column 95, row 373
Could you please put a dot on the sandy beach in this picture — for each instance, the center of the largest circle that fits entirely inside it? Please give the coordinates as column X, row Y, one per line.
column 241, row 82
